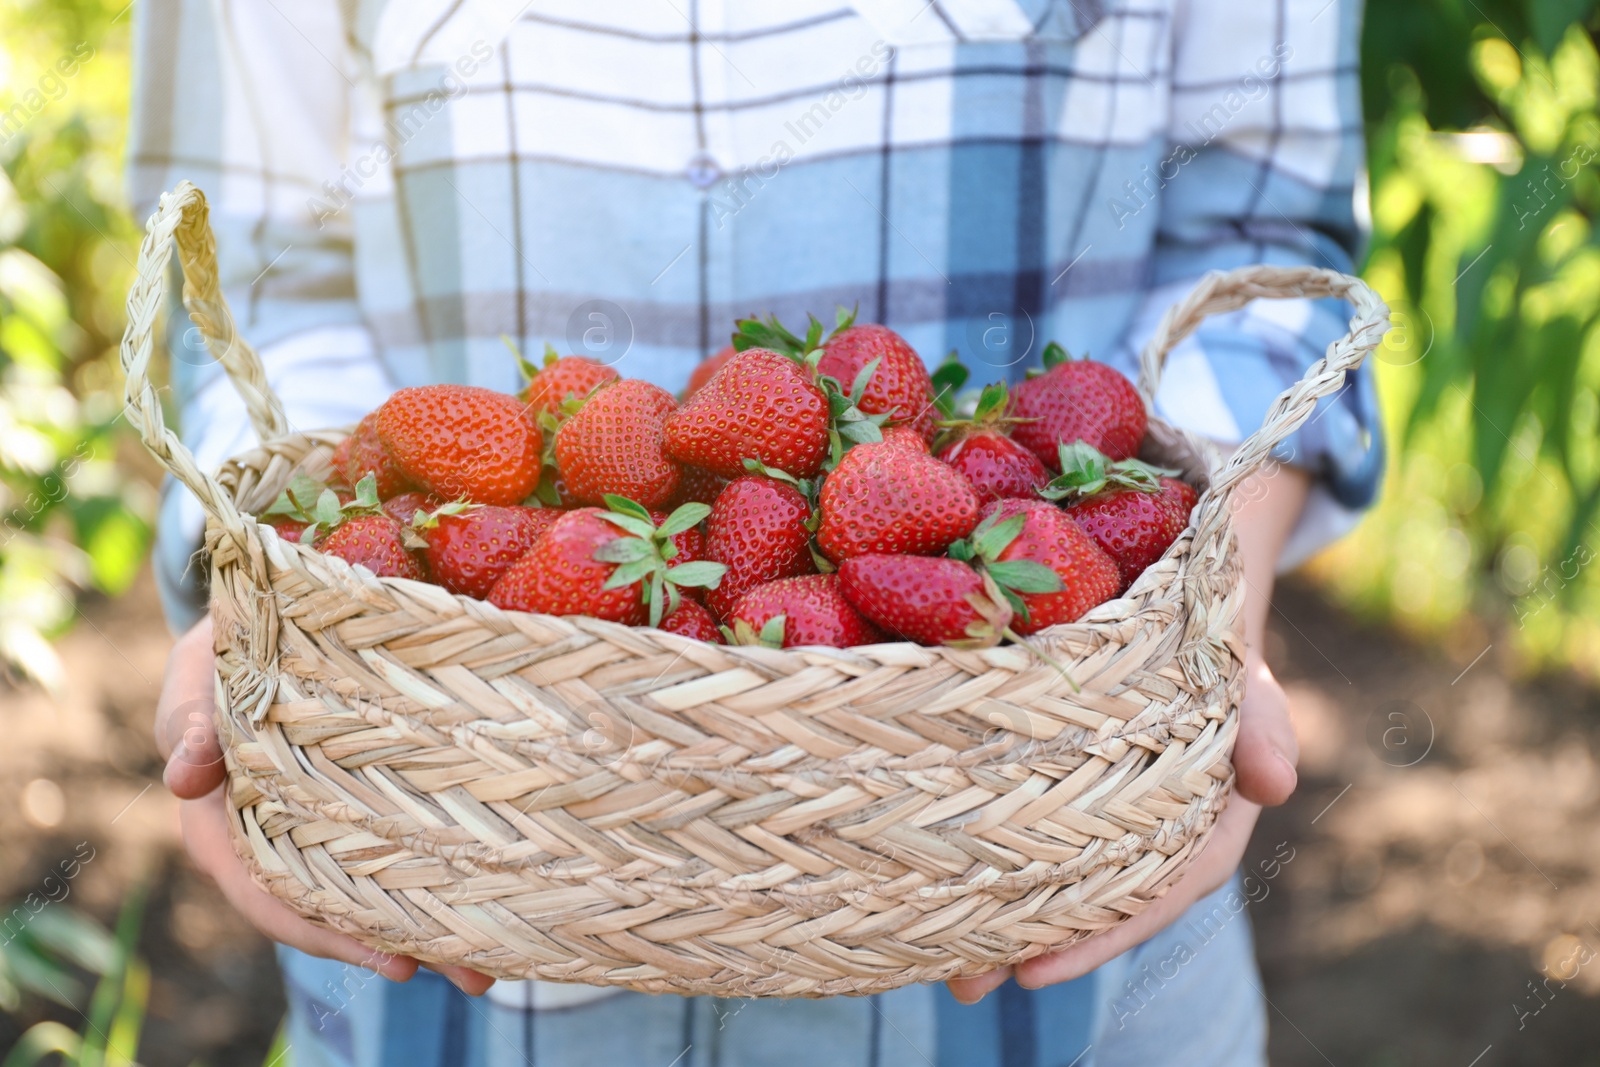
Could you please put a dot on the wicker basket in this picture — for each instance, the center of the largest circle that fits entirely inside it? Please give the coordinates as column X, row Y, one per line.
column 578, row 801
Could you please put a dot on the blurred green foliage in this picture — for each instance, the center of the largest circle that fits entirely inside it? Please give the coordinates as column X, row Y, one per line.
column 69, row 519
column 116, row 1012
column 1484, row 154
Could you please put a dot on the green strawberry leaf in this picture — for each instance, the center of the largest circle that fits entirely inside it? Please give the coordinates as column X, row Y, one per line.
column 1025, row 576
column 636, row 526
column 755, row 466
column 948, row 378
column 328, row 510
column 301, row 487
column 685, row 517
column 308, row 536
column 1085, row 471
column 771, row 634
column 700, row 574
column 992, row 538
column 528, row 369
column 628, row 573
column 960, row 550
column 813, row 333
column 1054, row 355
column 655, row 598
column 863, row 378
column 842, row 319
column 754, row 333
column 991, row 402
column 366, row 492
column 862, row 433
column 545, row 493
column 625, row 550
column 550, row 354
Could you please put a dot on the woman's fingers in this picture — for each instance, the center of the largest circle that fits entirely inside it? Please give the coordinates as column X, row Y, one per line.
column 186, row 732
column 972, row 990
column 1266, row 750
column 468, row 981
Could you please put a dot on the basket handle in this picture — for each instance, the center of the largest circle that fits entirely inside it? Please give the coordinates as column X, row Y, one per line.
column 1223, row 291
column 181, row 220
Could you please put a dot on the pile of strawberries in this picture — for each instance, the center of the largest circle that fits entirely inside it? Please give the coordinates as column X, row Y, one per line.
column 805, row 491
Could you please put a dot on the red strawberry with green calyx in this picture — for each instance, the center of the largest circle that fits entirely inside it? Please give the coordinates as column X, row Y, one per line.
column 761, row 406
column 995, row 464
column 377, row 543
column 355, row 530
column 1078, row 400
column 403, row 508
column 614, row 445
column 1133, row 511
column 1019, row 555
column 759, row 527
column 894, row 381
column 560, row 379
column 885, row 498
column 691, row 619
column 609, row 564
column 469, row 546
column 808, row 610
column 463, row 442
column 932, row 600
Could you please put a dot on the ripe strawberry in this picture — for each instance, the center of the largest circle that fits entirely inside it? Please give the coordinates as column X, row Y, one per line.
column 468, row 550
column 691, row 619
column 562, row 378
column 899, row 387
column 706, row 369
column 613, row 445
column 760, row 406
column 758, row 528
column 996, row 465
column 463, row 442
column 362, row 452
column 404, row 508
column 605, row 564
column 1046, row 536
column 884, row 498
column 289, row 529
column 375, row 542
column 980, row 448
column 904, row 437
column 560, row 575
column 809, row 610
column 1132, row 510
column 1078, row 400
column 696, row 485
column 931, row 600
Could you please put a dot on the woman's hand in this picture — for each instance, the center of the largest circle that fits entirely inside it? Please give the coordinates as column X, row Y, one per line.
column 1264, row 754
column 186, row 734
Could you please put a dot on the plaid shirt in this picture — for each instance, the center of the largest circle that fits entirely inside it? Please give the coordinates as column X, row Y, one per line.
column 396, row 184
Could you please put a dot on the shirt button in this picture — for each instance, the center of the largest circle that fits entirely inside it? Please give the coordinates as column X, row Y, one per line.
column 703, row 172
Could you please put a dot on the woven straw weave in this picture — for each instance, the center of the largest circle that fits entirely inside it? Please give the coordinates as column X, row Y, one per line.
column 574, row 800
